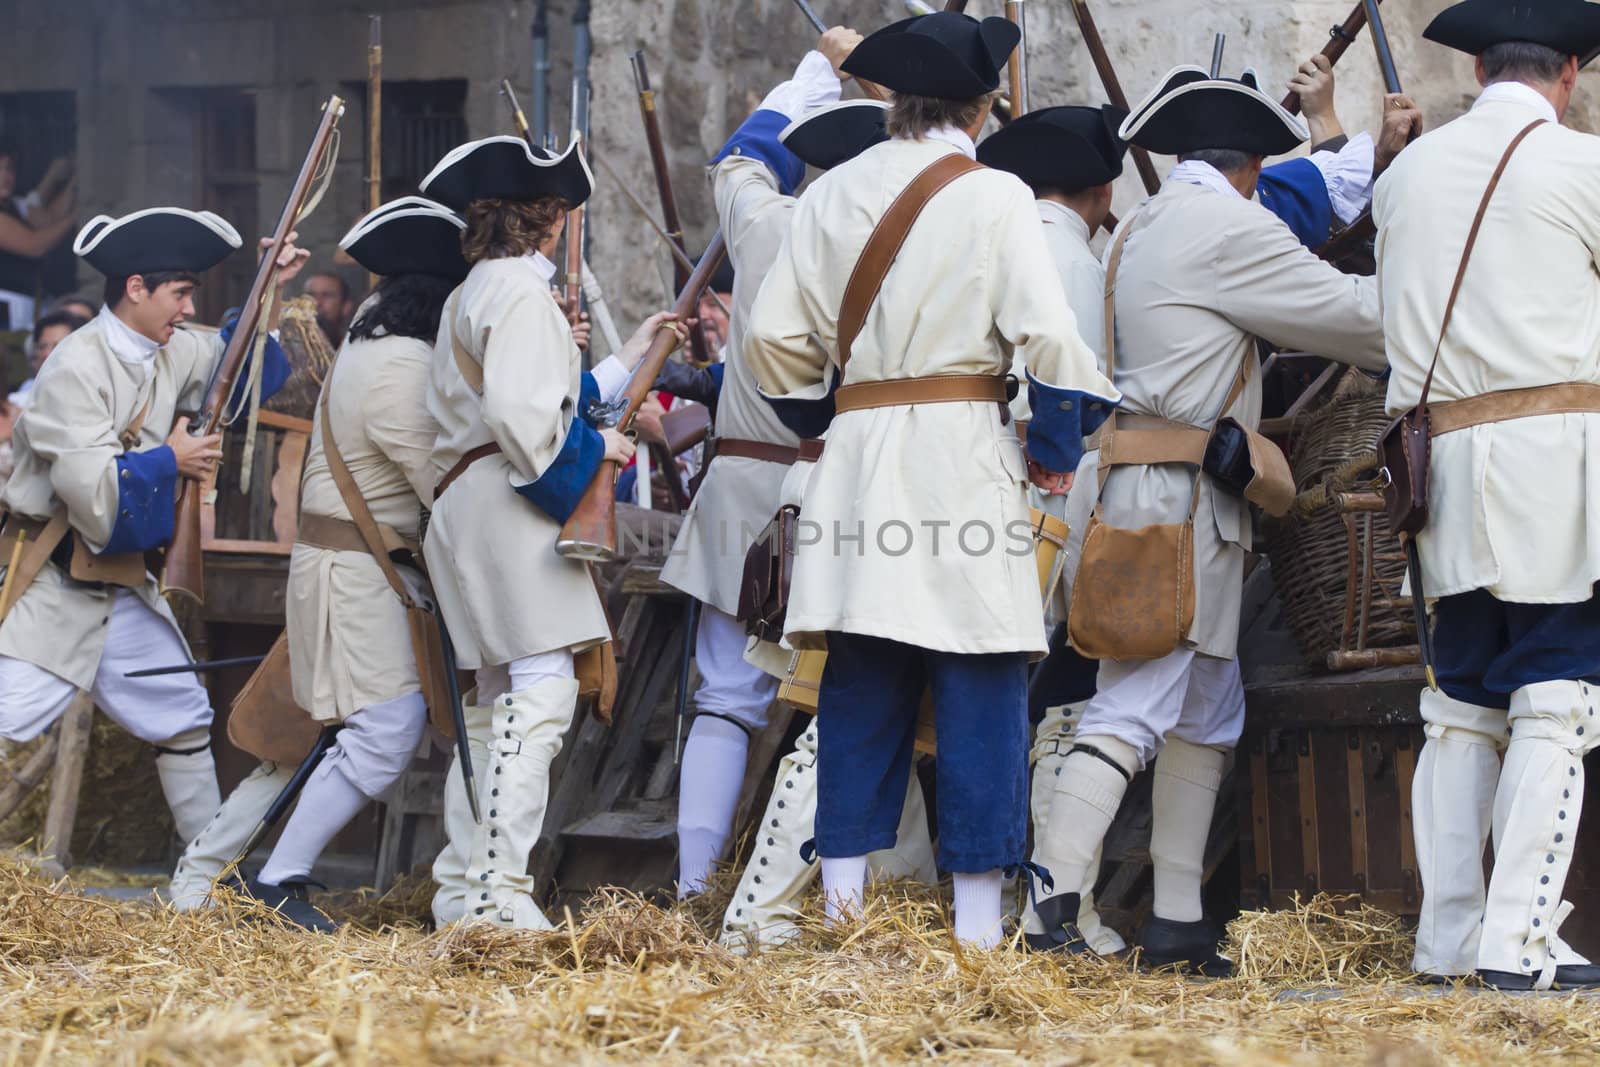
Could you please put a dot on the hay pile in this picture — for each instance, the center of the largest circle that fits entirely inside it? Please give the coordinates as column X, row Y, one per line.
column 125, row 982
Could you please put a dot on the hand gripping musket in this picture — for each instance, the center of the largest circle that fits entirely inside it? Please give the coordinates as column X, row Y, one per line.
column 591, row 532
column 1113, row 88
column 1340, row 38
column 184, row 571
column 286, row 796
column 699, row 349
column 876, row 92
column 1363, row 228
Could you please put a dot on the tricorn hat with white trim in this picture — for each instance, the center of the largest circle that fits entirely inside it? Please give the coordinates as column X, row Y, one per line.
column 1571, row 27
column 945, row 55
column 156, row 239
column 1190, row 111
column 1061, row 148
column 507, row 168
column 836, row 133
column 409, row 236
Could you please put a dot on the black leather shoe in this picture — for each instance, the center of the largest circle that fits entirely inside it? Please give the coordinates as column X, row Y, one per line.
column 292, row 902
column 1059, row 914
column 1191, row 947
column 1568, row 976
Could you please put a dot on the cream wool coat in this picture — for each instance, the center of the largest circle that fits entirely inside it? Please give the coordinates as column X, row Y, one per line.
column 739, row 496
column 1203, row 275
column 1515, row 506
column 897, row 486
column 349, row 644
column 491, row 553
column 66, row 447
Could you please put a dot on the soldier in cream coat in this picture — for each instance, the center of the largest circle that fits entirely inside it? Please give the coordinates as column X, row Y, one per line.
column 1510, row 550
column 514, row 453
column 350, row 650
column 102, row 445
column 1204, row 272
column 897, row 606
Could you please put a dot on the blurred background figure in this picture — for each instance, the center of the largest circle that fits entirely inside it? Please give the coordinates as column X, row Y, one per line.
column 335, row 306
column 51, row 329
column 30, row 226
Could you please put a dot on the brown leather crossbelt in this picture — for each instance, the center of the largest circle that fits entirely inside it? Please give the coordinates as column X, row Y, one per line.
column 342, row 535
column 1142, row 440
column 1568, row 398
column 765, row 451
column 481, row 452
column 933, row 389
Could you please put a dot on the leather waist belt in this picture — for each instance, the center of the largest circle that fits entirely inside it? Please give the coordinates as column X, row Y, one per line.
column 481, row 452
column 1569, row 398
column 762, row 450
column 934, row 389
column 342, row 535
column 1143, row 440
column 810, row 450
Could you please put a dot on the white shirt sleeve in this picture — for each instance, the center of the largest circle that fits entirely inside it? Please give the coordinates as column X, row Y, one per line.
column 610, row 376
column 813, row 85
column 26, row 205
column 1348, row 176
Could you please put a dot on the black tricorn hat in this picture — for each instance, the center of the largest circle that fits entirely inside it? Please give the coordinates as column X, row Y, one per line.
column 944, row 55
column 1190, row 111
column 507, row 168
column 156, row 239
column 409, row 236
column 1571, row 27
column 836, row 133
column 1065, row 148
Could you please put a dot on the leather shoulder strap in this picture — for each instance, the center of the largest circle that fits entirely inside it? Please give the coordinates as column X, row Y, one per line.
column 1466, row 255
column 360, row 514
column 884, row 245
column 130, row 436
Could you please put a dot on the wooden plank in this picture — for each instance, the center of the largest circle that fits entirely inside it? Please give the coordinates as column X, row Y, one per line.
column 55, row 841
column 35, row 770
column 1384, row 696
column 1310, row 838
column 1260, row 828
column 1359, row 824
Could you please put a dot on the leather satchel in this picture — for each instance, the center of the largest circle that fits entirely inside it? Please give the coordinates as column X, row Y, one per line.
column 1406, row 446
column 768, row 568
column 264, row 719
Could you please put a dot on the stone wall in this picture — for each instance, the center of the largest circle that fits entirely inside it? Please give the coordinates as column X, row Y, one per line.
column 711, row 61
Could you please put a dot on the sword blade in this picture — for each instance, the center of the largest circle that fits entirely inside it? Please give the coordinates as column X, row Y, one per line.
column 1419, row 611
column 287, row 795
column 691, row 622
column 458, row 716
column 196, row 668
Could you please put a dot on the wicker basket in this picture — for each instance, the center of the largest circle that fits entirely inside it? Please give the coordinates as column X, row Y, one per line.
column 1337, row 568
column 310, row 355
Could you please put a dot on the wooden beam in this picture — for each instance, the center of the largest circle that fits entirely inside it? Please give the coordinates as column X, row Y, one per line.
column 55, row 841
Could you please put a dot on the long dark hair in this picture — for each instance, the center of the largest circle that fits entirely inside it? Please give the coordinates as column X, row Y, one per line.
column 409, row 305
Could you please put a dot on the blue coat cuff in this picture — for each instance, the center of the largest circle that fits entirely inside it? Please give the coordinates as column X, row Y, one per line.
column 1062, row 418
column 1296, row 192
column 275, row 368
column 147, row 497
column 757, row 138
column 557, row 491
column 588, row 397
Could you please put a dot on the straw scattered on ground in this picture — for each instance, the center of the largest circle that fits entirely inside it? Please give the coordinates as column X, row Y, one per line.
column 85, row 978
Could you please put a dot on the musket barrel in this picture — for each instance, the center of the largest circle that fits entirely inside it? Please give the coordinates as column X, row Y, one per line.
column 1380, row 45
column 1216, row 55
column 1339, row 39
column 1113, row 87
column 811, row 16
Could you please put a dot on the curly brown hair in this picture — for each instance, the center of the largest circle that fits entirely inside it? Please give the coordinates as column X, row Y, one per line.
column 502, row 229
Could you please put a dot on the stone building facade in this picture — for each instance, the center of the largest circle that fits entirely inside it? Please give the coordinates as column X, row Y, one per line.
column 212, row 103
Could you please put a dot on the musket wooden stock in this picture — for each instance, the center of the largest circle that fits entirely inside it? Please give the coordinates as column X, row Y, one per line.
column 1113, row 88
column 1340, row 38
column 958, row 6
column 573, row 290
column 1017, row 65
column 374, row 112
column 591, row 532
column 184, row 568
column 700, row 349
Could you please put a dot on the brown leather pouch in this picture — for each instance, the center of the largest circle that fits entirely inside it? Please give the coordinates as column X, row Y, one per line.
column 768, row 568
column 1405, row 450
column 429, row 652
column 264, row 720
column 1133, row 597
column 596, row 668
column 1245, row 463
column 121, row 568
column 685, row 426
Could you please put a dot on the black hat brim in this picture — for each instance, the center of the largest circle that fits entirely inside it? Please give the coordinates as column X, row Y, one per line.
column 1063, row 148
column 837, row 133
column 1191, row 112
column 944, row 55
column 158, row 239
column 409, row 236
column 507, row 168
column 1571, row 27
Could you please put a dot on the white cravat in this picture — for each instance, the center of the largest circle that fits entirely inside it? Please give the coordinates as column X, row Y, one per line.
column 1196, row 172
column 1061, row 215
column 126, row 343
column 1517, row 93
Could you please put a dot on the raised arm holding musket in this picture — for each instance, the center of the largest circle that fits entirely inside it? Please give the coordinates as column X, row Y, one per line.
column 100, row 457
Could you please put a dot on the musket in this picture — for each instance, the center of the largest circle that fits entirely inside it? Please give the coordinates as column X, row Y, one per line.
column 541, row 70
column 1216, row 55
column 669, row 202
column 1340, row 38
column 958, row 6
column 374, row 112
column 458, row 715
column 591, row 531
column 184, row 572
column 1113, row 88
column 286, row 796
column 195, row 668
column 1363, row 228
column 581, row 44
column 1017, row 65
